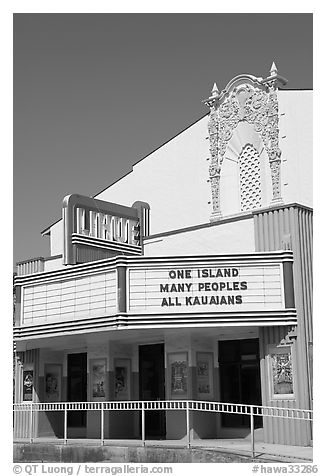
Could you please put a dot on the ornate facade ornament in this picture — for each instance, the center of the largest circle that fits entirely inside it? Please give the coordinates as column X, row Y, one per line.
column 250, row 99
column 250, row 179
column 214, row 168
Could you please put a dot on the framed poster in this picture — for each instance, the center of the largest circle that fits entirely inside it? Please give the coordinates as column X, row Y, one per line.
column 52, row 380
column 281, row 373
column 28, row 384
column 178, row 375
column 122, row 368
column 204, row 374
column 97, row 369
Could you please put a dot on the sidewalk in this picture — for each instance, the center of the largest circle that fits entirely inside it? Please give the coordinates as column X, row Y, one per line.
column 243, row 446
column 236, row 446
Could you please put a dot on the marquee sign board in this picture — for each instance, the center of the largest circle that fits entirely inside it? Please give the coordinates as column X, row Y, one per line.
column 108, row 228
column 146, row 292
column 210, row 289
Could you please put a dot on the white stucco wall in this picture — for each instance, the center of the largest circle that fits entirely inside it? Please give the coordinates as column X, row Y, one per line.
column 174, row 178
column 56, row 238
column 53, row 264
column 295, row 124
column 232, row 237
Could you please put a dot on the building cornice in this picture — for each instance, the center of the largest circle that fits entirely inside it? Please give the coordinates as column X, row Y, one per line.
column 112, row 264
column 130, row 321
column 229, row 219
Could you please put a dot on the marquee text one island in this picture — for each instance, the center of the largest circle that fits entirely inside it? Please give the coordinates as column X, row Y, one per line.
column 215, row 289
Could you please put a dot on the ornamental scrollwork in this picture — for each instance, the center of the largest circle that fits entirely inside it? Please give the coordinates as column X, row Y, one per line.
column 214, row 170
column 215, row 183
column 256, row 104
column 275, row 172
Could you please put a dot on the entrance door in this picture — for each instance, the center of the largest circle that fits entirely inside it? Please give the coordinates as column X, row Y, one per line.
column 77, row 387
column 240, row 378
column 152, row 386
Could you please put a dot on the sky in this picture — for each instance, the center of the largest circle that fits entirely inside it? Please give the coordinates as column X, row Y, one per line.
column 94, row 93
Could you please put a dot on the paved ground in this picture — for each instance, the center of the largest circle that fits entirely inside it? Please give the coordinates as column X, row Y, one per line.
column 240, row 446
column 261, row 449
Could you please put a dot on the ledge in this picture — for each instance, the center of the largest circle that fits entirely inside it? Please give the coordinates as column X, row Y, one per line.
column 130, row 321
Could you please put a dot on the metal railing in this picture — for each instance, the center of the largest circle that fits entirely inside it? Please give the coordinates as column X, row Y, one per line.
column 142, row 406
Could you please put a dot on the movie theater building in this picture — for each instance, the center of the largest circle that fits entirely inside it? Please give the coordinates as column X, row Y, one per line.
column 190, row 278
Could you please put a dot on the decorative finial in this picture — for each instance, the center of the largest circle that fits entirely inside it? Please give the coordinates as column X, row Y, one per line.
column 274, row 78
column 273, row 69
column 215, row 90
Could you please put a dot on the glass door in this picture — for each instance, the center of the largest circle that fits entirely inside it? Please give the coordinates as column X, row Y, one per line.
column 240, row 378
column 152, row 386
column 77, row 387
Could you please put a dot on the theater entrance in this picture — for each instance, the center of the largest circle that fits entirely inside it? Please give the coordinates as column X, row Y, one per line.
column 152, row 387
column 240, row 378
column 77, row 388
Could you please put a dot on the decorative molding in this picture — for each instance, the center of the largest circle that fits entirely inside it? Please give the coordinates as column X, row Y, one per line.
column 249, row 99
column 126, row 321
column 236, row 217
column 97, row 243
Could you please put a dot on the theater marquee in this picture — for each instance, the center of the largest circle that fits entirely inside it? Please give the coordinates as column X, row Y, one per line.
column 213, row 288
column 137, row 292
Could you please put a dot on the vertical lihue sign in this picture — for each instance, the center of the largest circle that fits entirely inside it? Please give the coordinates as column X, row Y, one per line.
column 103, row 225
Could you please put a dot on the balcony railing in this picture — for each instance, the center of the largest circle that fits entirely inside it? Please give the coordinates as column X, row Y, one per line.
column 32, row 266
column 30, row 411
